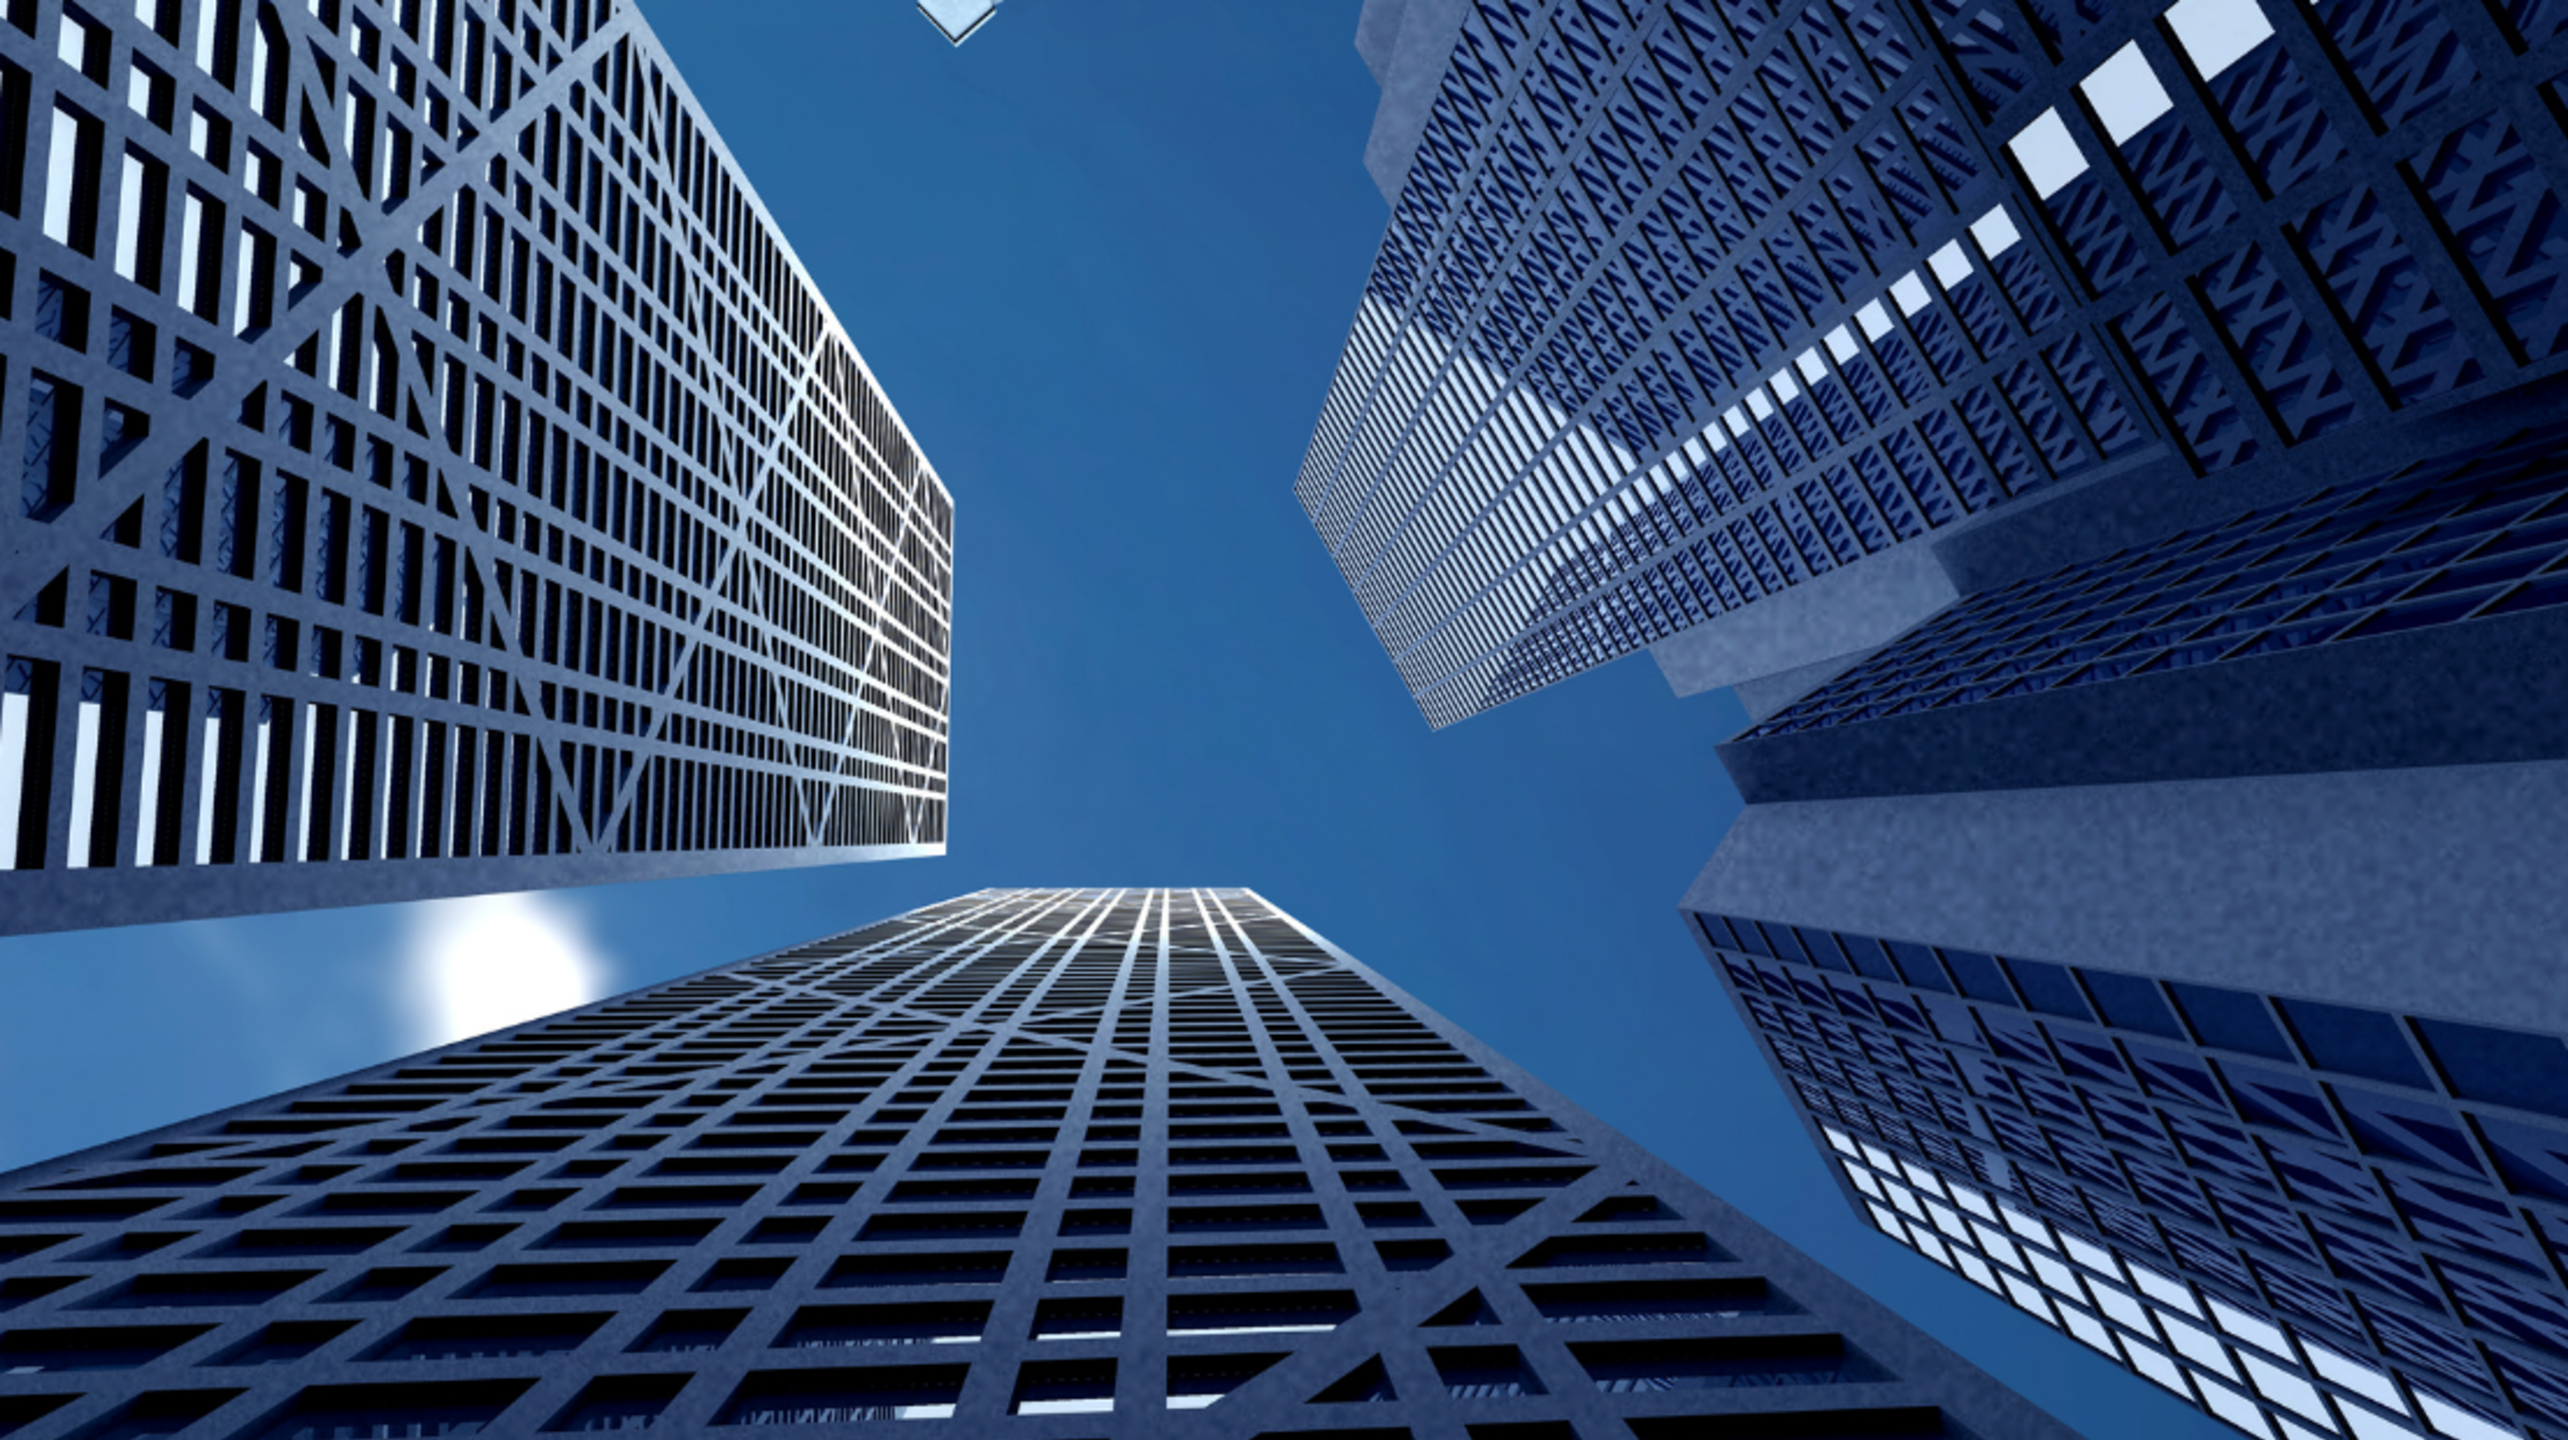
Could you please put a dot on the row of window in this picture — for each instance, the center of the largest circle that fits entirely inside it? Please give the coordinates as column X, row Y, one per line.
column 2453, row 538
column 167, row 772
column 2205, row 1350
column 404, row 1271
column 399, row 560
column 2401, row 57
column 2179, row 1121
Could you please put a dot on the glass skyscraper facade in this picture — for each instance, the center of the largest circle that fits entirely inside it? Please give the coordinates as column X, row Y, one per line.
column 1052, row 1163
column 2113, row 453
column 2165, row 940
column 1690, row 308
column 2270, row 1205
column 438, row 475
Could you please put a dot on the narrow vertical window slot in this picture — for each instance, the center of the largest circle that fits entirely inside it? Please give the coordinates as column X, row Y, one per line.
column 73, row 160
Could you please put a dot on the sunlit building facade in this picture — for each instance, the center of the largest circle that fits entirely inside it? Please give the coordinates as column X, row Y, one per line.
column 438, row 475
column 1695, row 317
column 1057, row 1164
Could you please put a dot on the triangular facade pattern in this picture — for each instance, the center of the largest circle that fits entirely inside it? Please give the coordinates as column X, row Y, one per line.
column 431, row 453
column 1056, row 1164
column 1684, row 304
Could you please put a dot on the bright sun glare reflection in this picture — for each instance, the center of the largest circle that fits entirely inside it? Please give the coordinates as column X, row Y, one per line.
column 476, row 965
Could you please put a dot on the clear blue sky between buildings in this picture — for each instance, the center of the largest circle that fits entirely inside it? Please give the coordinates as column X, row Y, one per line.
column 1102, row 259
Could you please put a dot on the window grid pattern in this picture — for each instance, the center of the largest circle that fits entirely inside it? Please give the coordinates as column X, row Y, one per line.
column 1758, row 387
column 2456, row 538
column 2317, row 1206
column 1162, row 1156
column 2233, row 225
column 433, row 452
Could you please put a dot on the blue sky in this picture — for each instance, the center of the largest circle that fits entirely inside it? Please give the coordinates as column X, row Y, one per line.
column 1102, row 259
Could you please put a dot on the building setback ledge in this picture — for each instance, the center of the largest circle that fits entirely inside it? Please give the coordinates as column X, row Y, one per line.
column 1852, row 608
column 2486, row 692
column 36, row 901
column 1408, row 44
column 2428, row 891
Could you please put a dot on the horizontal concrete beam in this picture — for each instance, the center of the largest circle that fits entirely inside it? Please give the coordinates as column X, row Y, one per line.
column 2478, row 693
column 1852, row 608
column 2431, row 891
column 1411, row 70
column 35, row 901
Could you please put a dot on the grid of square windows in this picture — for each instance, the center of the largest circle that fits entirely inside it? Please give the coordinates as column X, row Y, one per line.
column 1683, row 303
column 1049, row 1155
column 2375, row 1203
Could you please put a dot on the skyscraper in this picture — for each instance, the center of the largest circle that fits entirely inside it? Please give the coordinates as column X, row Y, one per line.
column 958, row 20
column 439, row 475
column 1140, row 1162
column 1693, row 317
column 2145, row 887
column 2192, row 903
column 2309, row 1217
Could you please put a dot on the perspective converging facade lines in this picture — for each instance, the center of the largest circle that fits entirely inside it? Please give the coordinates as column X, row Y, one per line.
column 1686, row 305
column 1067, row 1163
column 2397, row 1185
column 432, row 454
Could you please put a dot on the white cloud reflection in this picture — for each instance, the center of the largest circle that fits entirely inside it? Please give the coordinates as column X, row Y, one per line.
column 483, row 963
